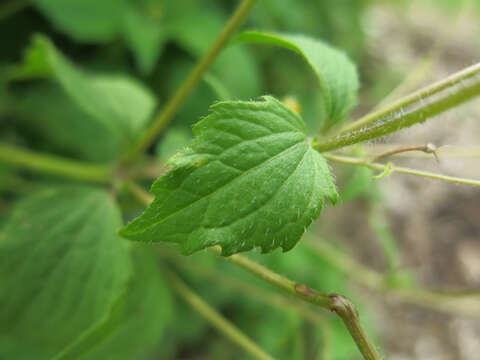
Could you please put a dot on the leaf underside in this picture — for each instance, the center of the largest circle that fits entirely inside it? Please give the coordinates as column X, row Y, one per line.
column 249, row 179
column 336, row 74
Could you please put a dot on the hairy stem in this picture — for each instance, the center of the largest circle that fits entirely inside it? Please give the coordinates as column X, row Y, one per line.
column 55, row 165
column 171, row 108
column 410, row 110
column 376, row 166
column 339, row 304
column 216, row 319
column 419, row 72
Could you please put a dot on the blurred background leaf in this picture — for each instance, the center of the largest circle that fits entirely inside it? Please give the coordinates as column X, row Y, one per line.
column 71, row 265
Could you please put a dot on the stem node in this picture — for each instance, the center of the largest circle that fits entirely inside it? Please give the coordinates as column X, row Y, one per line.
column 343, row 307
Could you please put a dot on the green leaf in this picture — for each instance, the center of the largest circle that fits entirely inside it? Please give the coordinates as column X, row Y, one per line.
column 118, row 104
column 62, row 269
column 84, row 20
column 174, row 139
column 145, row 36
column 136, row 324
column 249, row 179
column 48, row 111
column 139, row 23
column 335, row 72
column 125, row 100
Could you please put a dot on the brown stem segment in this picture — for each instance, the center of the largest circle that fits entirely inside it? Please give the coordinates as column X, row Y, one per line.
column 427, row 148
column 349, row 314
column 339, row 304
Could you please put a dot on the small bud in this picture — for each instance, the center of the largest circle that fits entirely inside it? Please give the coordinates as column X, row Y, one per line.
column 292, row 103
column 430, row 148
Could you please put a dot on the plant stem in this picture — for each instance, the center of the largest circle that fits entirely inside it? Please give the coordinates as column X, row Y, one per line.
column 139, row 193
column 216, row 319
column 376, row 166
column 410, row 110
column 427, row 149
column 446, row 151
column 184, row 91
column 445, row 302
column 346, row 264
column 333, row 302
column 267, row 297
column 419, row 72
column 55, row 165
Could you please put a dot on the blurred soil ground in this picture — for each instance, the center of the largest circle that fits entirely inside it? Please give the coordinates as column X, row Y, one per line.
column 436, row 224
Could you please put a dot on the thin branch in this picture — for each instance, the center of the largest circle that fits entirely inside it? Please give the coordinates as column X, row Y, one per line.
column 410, row 110
column 421, row 96
column 333, row 302
column 376, row 166
column 427, row 149
column 55, row 165
column 420, row 70
column 451, row 303
column 215, row 318
column 139, row 192
column 267, row 297
column 444, row 151
column 171, row 108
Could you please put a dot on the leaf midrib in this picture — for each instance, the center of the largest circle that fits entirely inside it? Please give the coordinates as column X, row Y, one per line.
column 290, row 148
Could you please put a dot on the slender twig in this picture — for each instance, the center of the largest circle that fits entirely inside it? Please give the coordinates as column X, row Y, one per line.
column 264, row 296
column 246, row 288
column 410, row 110
column 440, row 301
column 267, row 297
column 55, row 165
column 12, row 7
column 171, row 108
column 333, row 302
column 422, row 95
column 427, row 149
column 215, row 318
column 444, row 151
column 376, row 166
column 139, row 193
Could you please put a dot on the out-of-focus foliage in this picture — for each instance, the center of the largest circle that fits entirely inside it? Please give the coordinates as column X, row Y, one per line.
column 85, row 88
column 73, row 272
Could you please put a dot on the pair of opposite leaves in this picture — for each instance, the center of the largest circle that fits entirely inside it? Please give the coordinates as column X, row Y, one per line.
column 250, row 178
